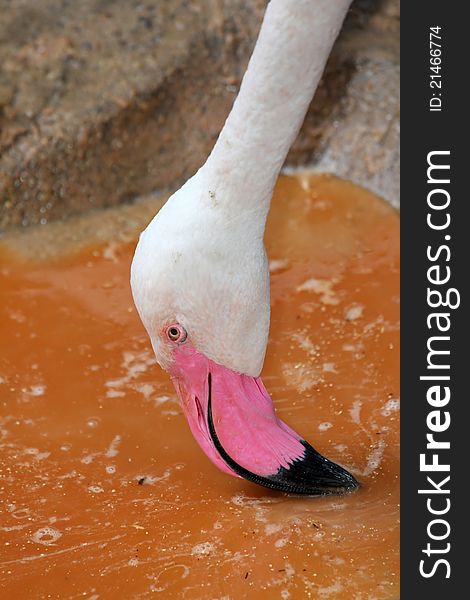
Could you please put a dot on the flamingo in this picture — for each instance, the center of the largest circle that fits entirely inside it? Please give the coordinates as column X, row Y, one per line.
column 200, row 277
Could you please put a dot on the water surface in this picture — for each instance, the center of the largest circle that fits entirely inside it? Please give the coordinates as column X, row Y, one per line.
column 105, row 494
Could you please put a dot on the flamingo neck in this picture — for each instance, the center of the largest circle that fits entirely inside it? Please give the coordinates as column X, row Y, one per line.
column 294, row 42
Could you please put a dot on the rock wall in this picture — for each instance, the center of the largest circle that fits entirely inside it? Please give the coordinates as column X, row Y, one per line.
column 102, row 101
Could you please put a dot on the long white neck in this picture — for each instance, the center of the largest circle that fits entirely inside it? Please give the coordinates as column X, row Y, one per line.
column 289, row 58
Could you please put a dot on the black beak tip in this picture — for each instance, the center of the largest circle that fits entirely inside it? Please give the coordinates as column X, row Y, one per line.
column 346, row 480
column 315, row 475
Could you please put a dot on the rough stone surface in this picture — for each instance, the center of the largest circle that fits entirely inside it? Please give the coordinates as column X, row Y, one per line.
column 361, row 140
column 102, row 101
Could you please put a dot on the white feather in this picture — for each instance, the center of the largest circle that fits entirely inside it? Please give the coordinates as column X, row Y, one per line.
column 201, row 261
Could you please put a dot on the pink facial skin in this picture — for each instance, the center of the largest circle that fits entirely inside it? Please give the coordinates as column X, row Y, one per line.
column 242, row 412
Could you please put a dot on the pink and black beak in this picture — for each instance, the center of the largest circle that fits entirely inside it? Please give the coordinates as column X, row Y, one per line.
column 232, row 417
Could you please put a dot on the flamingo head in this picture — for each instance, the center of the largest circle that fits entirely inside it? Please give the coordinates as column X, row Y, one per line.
column 200, row 282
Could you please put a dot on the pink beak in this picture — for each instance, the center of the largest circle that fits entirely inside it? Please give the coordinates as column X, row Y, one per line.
column 232, row 417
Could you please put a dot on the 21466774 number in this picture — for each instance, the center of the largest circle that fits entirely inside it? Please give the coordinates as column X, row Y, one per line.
column 435, row 60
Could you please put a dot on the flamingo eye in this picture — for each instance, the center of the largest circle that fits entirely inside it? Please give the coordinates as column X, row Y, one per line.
column 176, row 333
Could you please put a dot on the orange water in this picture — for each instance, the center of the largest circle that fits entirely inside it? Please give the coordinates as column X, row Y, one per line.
column 106, row 495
